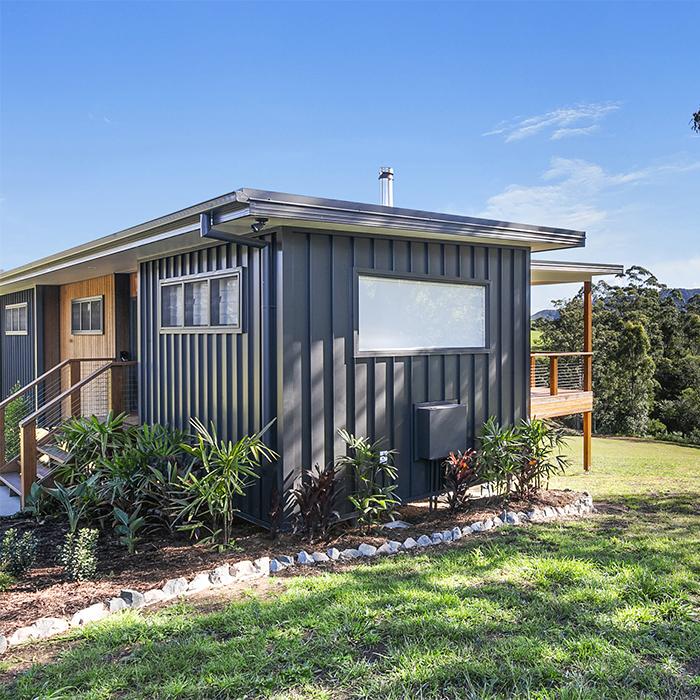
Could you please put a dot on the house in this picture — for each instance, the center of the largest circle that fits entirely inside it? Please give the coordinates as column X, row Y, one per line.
column 319, row 313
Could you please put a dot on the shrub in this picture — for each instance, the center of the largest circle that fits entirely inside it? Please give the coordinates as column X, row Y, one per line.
column 499, row 456
column 460, row 474
column 224, row 472
column 541, row 446
column 18, row 553
column 521, row 458
column 74, row 502
column 78, row 554
column 5, row 581
column 15, row 412
column 313, row 499
column 126, row 526
column 371, row 466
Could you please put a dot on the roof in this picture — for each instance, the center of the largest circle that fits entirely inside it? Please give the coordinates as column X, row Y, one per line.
column 562, row 272
column 236, row 211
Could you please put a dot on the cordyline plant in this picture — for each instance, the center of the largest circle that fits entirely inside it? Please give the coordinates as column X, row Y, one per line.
column 460, row 474
column 313, row 499
column 373, row 499
column 225, row 470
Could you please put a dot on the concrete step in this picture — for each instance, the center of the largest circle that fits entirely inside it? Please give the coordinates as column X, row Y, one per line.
column 9, row 501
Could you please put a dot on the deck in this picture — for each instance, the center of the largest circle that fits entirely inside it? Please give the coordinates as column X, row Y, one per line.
column 564, row 403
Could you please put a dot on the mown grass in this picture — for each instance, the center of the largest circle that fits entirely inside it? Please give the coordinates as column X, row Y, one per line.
column 601, row 608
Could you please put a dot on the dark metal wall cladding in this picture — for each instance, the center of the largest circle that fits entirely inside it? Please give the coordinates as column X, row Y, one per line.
column 17, row 351
column 325, row 388
column 213, row 377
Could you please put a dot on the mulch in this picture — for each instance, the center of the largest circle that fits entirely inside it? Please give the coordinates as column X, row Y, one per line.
column 45, row 591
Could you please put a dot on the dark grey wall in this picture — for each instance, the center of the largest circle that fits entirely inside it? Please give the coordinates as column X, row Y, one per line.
column 323, row 387
column 213, row 376
column 17, row 351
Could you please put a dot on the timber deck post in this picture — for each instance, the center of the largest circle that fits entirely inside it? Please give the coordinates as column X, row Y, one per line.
column 74, row 407
column 28, row 457
column 553, row 375
column 2, row 437
column 587, row 370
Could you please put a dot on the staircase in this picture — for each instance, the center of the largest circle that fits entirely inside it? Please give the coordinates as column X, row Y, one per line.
column 75, row 387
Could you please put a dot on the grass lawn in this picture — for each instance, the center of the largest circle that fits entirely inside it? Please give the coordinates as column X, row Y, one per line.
column 607, row 607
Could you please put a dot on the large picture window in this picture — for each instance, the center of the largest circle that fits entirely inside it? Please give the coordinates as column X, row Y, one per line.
column 403, row 316
column 202, row 302
column 16, row 319
column 87, row 316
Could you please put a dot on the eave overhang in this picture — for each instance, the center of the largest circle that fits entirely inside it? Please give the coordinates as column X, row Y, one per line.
column 564, row 272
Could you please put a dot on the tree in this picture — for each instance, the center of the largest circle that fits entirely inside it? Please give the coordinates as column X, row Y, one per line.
column 695, row 122
column 647, row 353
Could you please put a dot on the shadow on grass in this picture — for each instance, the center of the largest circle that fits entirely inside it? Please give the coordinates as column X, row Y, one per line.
column 602, row 607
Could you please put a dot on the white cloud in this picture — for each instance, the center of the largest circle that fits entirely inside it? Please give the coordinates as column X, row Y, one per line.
column 683, row 272
column 561, row 123
column 573, row 194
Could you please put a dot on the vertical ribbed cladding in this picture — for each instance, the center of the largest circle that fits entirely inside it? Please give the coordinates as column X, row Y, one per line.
column 212, row 376
column 324, row 387
column 17, row 352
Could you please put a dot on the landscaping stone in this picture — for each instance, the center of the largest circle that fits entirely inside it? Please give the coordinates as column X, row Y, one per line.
column 155, row 595
column 367, row 550
column 348, row 554
column 132, row 598
column 221, row 576
column 200, row 582
column 333, row 554
column 496, row 521
column 320, row 557
column 409, row 543
column 549, row 512
column 447, row 536
column 3, row 644
column 436, row 537
column 512, row 518
column 384, row 549
column 560, row 510
column 286, row 560
column 93, row 613
column 23, row 634
column 456, row 533
column 394, row 546
column 304, row 558
column 246, row 569
column 48, row 626
column 396, row 525
column 174, row 587
column 276, row 566
column 488, row 524
column 117, row 604
column 477, row 527
column 467, row 530
column 424, row 541
column 262, row 566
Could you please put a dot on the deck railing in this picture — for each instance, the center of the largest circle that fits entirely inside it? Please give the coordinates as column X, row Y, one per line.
column 569, row 371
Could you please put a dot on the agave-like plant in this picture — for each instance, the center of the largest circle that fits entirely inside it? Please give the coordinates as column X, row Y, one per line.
column 313, row 499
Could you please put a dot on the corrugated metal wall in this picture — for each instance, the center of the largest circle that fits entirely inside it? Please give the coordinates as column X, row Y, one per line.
column 325, row 388
column 17, row 351
column 211, row 376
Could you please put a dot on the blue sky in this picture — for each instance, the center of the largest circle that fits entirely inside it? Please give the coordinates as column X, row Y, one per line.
column 558, row 114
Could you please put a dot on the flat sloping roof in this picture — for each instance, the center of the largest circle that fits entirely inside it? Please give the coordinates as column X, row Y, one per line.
column 564, row 272
column 237, row 210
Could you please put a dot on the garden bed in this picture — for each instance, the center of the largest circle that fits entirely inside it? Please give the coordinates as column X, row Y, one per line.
column 45, row 592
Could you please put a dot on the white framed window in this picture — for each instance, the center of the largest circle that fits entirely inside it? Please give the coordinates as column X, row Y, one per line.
column 87, row 316
column 16, row 319
column 209, row 303
column 416, row 315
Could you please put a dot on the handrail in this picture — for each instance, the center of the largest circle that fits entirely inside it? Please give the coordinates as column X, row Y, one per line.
column 76, row 387
column 561, row 354
column 48, row 373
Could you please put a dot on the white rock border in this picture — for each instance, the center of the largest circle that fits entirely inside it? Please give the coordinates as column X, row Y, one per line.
column 229, row 574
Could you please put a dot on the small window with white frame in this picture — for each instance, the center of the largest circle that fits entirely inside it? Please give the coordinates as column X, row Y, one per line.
column 87, row 316
column 16, row 319
column 209, row 303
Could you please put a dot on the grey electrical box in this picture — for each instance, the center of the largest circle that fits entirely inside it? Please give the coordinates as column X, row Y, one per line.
column 440, row 428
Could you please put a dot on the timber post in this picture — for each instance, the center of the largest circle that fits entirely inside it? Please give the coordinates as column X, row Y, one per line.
column 587, row 370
